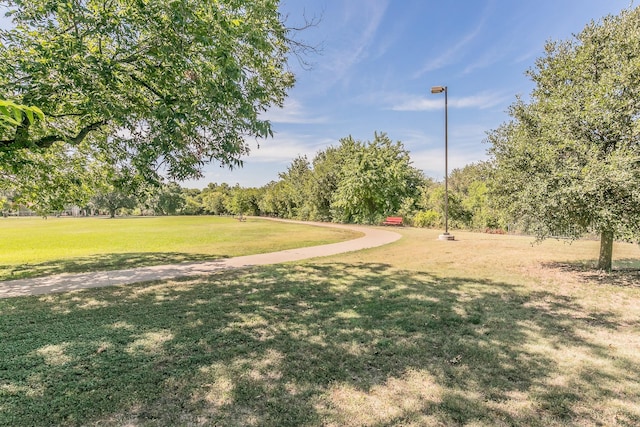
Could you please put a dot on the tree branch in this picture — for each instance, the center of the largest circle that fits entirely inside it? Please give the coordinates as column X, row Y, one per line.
column 49, row 140
column 59, row 116
column 301, row 49
column 165, row 98
column 85, row 131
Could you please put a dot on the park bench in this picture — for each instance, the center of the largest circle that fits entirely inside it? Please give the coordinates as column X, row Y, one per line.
column 393, row 220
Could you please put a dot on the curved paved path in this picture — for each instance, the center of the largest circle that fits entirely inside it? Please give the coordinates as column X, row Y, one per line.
column 67, row 282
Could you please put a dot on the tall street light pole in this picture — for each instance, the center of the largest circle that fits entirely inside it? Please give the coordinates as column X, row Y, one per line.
column 446, row 235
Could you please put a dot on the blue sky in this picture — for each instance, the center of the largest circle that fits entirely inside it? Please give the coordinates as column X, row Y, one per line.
column 379, row 60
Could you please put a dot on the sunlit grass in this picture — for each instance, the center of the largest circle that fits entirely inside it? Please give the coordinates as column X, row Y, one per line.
column 484, row 331
column 32, row 247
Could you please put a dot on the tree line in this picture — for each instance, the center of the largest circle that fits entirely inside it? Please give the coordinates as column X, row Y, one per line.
column 353, row 182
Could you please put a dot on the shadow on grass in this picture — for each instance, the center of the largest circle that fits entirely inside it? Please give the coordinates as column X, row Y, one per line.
column 332, row 344
column 626, row 272
column 102, row 262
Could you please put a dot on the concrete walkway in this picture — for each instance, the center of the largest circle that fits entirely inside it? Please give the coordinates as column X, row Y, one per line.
column 67, row 282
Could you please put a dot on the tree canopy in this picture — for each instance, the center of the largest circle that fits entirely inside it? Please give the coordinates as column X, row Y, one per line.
column 357, row 181
column 164, row 85
column 375, row 179
column 569, row 160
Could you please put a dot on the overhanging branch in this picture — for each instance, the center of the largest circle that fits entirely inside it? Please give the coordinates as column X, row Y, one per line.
column 49, row 140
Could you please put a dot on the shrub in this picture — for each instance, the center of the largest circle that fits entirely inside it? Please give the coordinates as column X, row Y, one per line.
column 428, row 218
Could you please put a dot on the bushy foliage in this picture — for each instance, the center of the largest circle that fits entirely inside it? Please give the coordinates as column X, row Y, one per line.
column 428, row 219
column 361, row 182
column 176, row 83
column 469, row 201
column 569, row 159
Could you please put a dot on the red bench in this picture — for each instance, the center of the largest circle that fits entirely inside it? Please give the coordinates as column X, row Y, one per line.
column 393, row 220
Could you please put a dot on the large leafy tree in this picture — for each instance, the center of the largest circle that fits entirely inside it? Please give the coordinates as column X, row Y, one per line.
column 325, row 179
column 275, row 201
column 294, row 189
column 375, row 180
column 167, row 84
column 215, row 198
column 470, row 203
column 244, row 201
column 168, row 199
column 569, row 160
column 354, row 182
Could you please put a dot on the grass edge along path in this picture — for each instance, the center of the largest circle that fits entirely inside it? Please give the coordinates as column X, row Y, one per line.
column 372, row 237
column 33, row 247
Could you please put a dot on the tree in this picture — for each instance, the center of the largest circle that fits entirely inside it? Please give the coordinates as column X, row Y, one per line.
column 375, row 180
column 470, row 204
column 215, row 198
column 294, row 188
column 48, row 182
column 569, row 160
column 170, row 84
column 114, row 200
column 324, row 181
column 244, row 201
column 118, row 188
column 170, row 199
column 274, row 200
column 193, row 201
column 354, row 182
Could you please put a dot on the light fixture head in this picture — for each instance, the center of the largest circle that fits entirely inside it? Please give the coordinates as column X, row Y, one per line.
column 438, row 89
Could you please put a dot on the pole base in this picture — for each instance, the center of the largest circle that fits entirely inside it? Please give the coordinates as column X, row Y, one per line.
column 446, row 236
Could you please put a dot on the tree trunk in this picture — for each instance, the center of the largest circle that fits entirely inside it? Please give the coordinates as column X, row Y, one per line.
column 606, row 250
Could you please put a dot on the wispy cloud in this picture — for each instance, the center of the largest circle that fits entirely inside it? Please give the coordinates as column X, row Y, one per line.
column 265, row 162
column 450, row 53
column 417, row 103
column 364, row 18
column 481, row 101
column 375, row 14
column 284, row 147
column 487, row 59
column 527, row 56
column 420, row 103
column 293, row 112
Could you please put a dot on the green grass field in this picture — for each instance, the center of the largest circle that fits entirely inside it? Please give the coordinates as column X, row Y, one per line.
column 484, row 331
column 31, row 247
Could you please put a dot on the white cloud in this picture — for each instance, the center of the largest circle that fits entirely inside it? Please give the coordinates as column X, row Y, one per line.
column 431, row 161
column 481, row 101
column 293, row 112
column 422, row 103
column 265, row 163
column 486, row 60
column 417, row 103
column 284, row 147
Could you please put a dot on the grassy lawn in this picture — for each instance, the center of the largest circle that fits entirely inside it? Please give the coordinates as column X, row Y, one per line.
column 485, row 331
column 31, row 247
